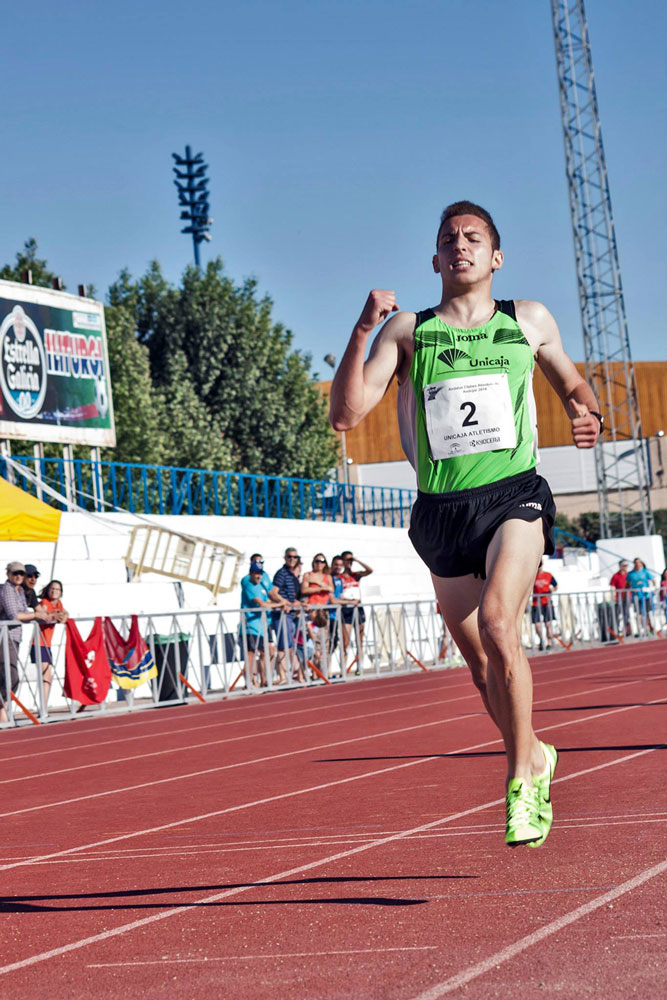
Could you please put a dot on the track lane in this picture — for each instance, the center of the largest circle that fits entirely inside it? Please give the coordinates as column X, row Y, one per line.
column 410, row 792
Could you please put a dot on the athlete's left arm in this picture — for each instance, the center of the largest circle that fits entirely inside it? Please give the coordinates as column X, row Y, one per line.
column 575, row 393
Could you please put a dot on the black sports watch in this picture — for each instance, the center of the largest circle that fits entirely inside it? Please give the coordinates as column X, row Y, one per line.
column 600, row 419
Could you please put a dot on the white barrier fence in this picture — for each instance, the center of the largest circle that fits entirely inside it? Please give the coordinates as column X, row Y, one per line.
column 213, row 654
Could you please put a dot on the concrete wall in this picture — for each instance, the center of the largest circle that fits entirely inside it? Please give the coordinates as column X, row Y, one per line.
column 91, row 549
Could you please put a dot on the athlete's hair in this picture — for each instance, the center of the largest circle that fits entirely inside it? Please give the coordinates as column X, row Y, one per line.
column 470, row 208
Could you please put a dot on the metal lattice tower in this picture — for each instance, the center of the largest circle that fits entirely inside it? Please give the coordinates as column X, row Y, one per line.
column 621, row 461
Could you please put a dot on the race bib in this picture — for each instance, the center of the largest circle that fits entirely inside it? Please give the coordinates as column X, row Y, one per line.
column 469, row 415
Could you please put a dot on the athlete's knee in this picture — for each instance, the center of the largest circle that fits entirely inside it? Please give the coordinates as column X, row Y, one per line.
column 499, row 634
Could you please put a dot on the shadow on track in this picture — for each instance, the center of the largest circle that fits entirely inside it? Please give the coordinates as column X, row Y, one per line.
column 39, row 903
column 490, row 753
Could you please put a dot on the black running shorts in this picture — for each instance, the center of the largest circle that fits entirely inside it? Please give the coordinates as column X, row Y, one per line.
column 452, row 531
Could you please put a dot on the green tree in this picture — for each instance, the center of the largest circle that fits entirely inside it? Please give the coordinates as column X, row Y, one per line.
column 259, row 391
column 139, row 410
column 27, row 260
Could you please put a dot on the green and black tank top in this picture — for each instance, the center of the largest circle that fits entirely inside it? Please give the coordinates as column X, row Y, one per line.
column 466, row 412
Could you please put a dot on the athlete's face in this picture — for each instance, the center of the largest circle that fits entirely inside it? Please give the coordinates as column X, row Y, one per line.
column 465, row 254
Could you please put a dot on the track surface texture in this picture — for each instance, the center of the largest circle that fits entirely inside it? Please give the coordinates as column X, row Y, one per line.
column 341, row 842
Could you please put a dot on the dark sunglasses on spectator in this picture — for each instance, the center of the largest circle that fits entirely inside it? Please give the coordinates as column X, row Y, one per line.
column 319, row 560
column 17, row 572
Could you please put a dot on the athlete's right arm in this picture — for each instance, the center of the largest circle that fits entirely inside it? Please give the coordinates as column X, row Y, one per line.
column 359, row 385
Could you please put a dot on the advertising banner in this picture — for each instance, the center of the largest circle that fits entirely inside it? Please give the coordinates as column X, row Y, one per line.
column 54, row 367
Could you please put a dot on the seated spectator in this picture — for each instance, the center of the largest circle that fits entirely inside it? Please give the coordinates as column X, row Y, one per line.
column 254, row 596
column 50, row 600
column 29, row 584
column 13, row 608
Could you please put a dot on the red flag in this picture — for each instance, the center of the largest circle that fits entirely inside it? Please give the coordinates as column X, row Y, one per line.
column 87, row 670
column 130, row 659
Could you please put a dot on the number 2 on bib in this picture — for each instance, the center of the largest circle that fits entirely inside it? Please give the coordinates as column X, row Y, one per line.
column 468, row 422
column 465, row 416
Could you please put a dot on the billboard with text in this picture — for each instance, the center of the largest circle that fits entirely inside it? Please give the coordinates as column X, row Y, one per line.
column 54, row 367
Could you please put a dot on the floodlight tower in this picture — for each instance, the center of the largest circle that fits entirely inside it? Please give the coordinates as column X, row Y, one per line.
column 621, row 463
column 192, row 184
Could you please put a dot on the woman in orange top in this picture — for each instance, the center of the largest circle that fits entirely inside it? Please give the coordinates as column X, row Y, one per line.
column 318, row 588
column 317, row 585
column 49, row 599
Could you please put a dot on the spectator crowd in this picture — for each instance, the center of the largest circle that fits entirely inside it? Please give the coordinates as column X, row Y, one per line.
column 295, row 621
column 20, row 602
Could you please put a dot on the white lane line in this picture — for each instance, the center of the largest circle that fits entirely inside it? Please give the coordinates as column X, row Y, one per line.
column 493, row 830
column 414, row 681
column 635, row 937
column 325, row 746
column 142, row 717
column 272, row 879
column 230, row 739
column 278, row 732
column 272, row 956
column 512, row 950
column 257, row 717
column 356, row 739
column 348, row 835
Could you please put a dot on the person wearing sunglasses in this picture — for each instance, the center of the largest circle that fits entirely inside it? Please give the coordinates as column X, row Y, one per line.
column 13, row 608
column 286, row 588
column 29, row 584
column 317, row 586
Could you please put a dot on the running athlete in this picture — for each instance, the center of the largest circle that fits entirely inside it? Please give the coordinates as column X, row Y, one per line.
column 483, row 517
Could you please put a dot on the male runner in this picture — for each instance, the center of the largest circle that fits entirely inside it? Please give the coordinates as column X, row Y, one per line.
column 483, row 517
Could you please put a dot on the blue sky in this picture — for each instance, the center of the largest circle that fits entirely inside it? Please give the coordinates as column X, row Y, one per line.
column 335, row 134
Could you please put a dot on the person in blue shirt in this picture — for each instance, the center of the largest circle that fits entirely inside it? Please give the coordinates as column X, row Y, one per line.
column 640, row 583
column 255, row 596
column 258, row 558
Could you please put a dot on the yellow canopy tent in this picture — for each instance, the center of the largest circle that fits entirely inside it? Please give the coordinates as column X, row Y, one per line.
column 24, row 518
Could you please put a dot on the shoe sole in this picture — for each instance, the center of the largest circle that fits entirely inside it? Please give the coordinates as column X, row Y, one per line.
column 533, row 842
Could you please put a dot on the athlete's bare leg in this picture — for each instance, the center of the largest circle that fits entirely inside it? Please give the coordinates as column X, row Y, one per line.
column 484, row 618
column 459, row 598
column 512, row 561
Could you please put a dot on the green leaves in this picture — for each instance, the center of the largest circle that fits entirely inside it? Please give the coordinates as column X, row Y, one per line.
column 236, row 396
column 203, row 377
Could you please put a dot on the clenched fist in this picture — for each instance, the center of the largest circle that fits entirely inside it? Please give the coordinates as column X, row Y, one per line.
column 379, row 304
column 585, row 427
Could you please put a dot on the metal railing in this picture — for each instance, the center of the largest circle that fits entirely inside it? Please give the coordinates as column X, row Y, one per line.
column 214, row 654
column 160, row 489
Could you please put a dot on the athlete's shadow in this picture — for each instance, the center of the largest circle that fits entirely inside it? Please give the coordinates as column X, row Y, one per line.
column 488, row 753
column 40, row 903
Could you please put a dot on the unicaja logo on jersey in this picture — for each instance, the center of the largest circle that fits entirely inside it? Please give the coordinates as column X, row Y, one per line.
column 451, row 356
column 500, row 362
column 22, row 364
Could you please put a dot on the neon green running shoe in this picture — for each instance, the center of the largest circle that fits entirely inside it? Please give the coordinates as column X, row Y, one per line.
column 542, row 783
column 523, row 822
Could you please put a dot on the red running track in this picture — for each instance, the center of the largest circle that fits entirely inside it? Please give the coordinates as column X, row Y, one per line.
column 341, row 842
